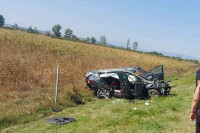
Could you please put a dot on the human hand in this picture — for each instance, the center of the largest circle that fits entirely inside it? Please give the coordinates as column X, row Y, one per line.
column 192, row 116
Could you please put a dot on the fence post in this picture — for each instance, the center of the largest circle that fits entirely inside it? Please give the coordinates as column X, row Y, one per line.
column 57, row 80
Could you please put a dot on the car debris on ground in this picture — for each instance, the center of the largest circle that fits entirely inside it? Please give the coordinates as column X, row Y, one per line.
column 60, row 120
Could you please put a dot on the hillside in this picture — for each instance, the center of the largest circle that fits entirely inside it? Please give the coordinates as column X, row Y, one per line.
column 28, row 71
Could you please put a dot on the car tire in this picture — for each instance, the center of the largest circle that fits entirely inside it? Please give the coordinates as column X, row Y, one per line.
column 153, row 93
column 102, row 93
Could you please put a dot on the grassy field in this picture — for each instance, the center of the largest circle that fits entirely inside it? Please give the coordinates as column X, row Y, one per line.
column 28, row 71
column 168, row 114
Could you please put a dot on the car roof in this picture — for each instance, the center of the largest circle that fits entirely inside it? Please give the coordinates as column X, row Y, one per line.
column 117, row 70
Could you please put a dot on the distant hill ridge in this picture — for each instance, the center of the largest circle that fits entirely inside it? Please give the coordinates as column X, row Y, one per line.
column 159, row 53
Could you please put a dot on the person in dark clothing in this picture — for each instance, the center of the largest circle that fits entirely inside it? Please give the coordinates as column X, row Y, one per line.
column 198, row 78
column 195, row 109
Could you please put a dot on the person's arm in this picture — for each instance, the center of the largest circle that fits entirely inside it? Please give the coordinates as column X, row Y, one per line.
column 195, row 102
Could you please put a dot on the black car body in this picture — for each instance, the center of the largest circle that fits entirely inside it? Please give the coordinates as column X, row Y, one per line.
column 128, row 82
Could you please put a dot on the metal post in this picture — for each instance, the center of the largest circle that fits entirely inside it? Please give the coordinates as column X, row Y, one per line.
column 135, row 95
column 57, row 79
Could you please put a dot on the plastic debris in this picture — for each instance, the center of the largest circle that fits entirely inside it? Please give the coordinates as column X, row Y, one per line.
column 60, row 120
column 134, row 108
column 118, row 100
column 147, row 103
column 113, row 101
column 56, row 109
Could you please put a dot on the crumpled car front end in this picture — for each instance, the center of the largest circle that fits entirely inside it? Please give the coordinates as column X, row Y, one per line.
column 162, row 86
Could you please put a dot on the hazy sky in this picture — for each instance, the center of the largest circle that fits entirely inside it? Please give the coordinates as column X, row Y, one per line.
column 168, row 25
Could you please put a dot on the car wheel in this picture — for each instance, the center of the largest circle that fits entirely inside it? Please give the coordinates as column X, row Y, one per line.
column 102, row 93
column 153, row 93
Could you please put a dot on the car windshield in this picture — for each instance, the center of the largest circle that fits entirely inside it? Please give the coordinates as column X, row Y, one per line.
column 140, row 71
column 156, row 70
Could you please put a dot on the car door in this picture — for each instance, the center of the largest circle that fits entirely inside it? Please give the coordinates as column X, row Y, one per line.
column 157, row 72
column 137, row 85
column 124, row 84
column 139, row 88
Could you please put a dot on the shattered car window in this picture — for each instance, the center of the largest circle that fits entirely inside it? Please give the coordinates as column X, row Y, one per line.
column 132, row 78
column 114, row 75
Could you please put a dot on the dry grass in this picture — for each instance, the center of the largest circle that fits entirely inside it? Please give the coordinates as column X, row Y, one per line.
column 28, row 69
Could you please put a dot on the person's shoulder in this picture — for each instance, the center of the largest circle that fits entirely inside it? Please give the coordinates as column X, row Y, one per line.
column 198, row 71
column 198, row 75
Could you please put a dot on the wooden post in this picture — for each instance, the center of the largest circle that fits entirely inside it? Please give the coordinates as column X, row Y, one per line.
column 57, row 81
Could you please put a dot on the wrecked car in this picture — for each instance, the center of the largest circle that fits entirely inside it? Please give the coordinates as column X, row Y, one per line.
column 128, row 83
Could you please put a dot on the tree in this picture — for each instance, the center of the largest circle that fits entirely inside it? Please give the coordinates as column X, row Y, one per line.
column 15, row 26
column 68, row 33
column 135, row 45
column 56, row 30
column 127, row 44
column 103, row 40
column 48, row 33
column 36, row 30
column 2, row 21
column 22, row 29
column 74, row 38
column 30, row 30
column 93, row 40
column 87, row 40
